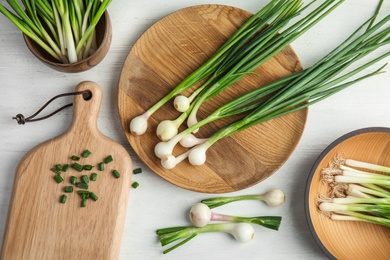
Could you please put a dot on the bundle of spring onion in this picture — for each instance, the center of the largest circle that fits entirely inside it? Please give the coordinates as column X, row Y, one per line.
column 255, row 42
column 300, row 90
column 64, row 29
column 359, row 191
column 240, row 227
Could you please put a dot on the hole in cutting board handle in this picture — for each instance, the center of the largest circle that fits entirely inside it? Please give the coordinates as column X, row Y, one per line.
column 87, row 96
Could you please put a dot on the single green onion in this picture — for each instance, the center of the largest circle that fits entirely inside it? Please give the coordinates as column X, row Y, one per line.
column 55, row 170
column 116, row 174
column 73, row 180
column 101, row 166
column 82, row 192
column 137, row 171
column 93, row 196
column 77, row 167
column 59, row 167
column 75, row 158
column 87, row 167
column 94, row 176
column 58, row 178
column 63, row 199
column 68, row 189
column 82, row 185
column 85, row 179
column 65, row 167
column 83, row 203
column 108, row 159
column 135, row 185
column 86, row 153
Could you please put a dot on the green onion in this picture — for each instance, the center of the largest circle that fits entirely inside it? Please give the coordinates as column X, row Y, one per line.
column 137, row 171
column 55, row 170
column 116, row 174
column 63, row 199
column 58, row 178
column 83, row 203
column 68, row 189
column 135, row 185
column 64, row 29
column 101, row 166
column 242, row 232
column 82, row 185
column 65, row 167
column 75, row 158
column 59, row 167
column 355, row 193
column 93, row 196
column 325, row 78
column 94, row 176
column 85, row 179
column 87, row 167
column 86, row 153
column 82, row 192
column 108, row 159
column 249, row 41
column 77, row 167
column 73, row 180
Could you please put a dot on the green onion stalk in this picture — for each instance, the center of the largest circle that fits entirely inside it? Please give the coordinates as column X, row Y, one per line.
column 64, row 29
column 274, row 15
column 314, row 84
column 358, row 191
column 254, row 53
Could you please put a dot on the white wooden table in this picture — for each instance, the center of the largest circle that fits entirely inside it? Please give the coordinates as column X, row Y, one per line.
column 26, row 84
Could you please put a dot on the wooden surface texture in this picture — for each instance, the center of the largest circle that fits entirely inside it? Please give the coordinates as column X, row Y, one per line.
column 169, row 51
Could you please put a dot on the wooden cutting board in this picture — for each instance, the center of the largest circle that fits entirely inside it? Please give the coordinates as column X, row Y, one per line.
column 162, row 57
column 38, row 225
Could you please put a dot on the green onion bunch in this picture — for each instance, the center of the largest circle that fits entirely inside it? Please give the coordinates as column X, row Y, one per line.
column 326, row 77
column 65, row 29
column 358, row 191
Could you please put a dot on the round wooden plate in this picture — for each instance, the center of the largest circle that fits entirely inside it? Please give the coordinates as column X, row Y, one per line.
column 341, row 239
column 169, row 51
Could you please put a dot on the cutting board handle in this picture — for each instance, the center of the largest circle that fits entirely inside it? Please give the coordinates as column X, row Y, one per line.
column 86, row 110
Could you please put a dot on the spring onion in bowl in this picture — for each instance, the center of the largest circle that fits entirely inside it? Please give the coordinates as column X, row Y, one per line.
column 64, row 29
column 358, row 191
column 325, row 78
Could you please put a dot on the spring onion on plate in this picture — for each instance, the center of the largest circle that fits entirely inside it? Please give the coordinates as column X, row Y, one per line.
column 359, row 191
column 64, row 29
column 300, row 90
column 250, row 39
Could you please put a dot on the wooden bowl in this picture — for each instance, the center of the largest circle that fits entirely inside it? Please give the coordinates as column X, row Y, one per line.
column 163, row 56
column 346, row 239
column 104, row 37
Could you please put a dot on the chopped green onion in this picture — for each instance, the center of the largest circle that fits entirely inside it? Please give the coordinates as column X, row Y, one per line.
column 83, row 203
column 55, row 170
column 73, row 180
column 77, row 167
column 68, row 189
column 58, row 178
column 116, row 174
column 108, row 159
column 135, row 185
column 101, row 166
column 65, row 167
column 75, row 158
column 85, row 179
column 81, row 192
column 93, row 196
column 137, row 171
column 86, row 153
column 87, row 167
column 59, row 167
column 82, row 185
column 94, row 176
column 63, row 199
